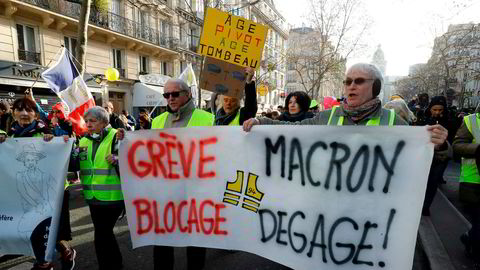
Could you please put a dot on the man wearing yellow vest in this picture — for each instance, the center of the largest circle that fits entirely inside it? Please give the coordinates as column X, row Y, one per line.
column 467, row 145
column 96, row 159
column 181, row 112
column 230, row 114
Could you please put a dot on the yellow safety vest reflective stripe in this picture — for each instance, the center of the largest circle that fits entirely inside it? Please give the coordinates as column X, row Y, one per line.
column 236, row 120
column 200, row 118
column 383, row 120
column 469, row 171
column 100, row 180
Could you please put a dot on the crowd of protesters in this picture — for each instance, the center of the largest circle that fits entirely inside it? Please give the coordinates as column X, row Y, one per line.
column 361, row 106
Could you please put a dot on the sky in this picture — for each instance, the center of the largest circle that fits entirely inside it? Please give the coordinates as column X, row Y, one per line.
column 405, row 29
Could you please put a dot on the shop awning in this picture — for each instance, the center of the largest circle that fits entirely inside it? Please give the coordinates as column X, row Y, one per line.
column 145, row 95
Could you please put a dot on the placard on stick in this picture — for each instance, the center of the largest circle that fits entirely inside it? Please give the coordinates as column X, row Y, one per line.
column 223, row 78
column 232, row 39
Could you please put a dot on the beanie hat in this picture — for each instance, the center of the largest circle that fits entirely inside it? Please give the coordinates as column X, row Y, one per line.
column 438, row 100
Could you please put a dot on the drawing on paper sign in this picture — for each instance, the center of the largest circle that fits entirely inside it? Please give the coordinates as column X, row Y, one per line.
column 233, row 193
column 36, row 190
column 223, row 78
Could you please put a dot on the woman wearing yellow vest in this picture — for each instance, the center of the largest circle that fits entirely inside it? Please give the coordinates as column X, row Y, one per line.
column 96, row 159
column 25, row 112
column 362, row 85
column 466, row 144
column 230, row 113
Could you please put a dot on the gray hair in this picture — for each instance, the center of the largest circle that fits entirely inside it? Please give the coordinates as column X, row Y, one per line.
column 401, row 109
column 371, row 69
column 182, row 85
column 98, row 113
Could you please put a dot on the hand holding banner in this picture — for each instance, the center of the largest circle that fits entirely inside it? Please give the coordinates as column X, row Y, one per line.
column 299, row 195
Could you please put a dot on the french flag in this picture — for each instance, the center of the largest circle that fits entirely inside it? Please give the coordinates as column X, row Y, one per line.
column 64, row 79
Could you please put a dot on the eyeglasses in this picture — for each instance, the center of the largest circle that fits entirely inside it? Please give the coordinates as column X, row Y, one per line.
column 357, row 81
column 173, row 94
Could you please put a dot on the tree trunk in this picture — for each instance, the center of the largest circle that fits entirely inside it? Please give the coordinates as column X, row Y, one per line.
column 83, row 36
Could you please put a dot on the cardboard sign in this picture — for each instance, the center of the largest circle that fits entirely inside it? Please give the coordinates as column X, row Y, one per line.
column 31, row 193
column 302, row 196
column 232, row 39
column 223, row 78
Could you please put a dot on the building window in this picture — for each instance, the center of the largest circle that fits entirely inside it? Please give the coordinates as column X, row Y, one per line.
column 144, row 65
column 70, row 45
column 27, row 48
column 164, row 68
column 118, row 61
column 183, row 65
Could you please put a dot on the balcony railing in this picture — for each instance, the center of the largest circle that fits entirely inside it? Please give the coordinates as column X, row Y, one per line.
column 107, row 20
column 29, row 57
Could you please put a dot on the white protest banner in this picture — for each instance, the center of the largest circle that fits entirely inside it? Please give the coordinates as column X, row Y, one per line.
column 31, row 191
column 308, row 197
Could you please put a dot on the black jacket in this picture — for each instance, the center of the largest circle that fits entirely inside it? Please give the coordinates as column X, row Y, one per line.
column 115, row 122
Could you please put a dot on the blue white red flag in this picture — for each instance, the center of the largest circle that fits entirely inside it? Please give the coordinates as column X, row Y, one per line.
column 64, row 79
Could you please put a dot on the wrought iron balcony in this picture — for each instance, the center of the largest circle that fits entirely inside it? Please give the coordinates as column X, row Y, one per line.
column 107, row 20
column 29, row 57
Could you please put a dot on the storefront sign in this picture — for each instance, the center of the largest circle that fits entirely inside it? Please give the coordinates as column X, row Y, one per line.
column 147, row 95
column 155, row 79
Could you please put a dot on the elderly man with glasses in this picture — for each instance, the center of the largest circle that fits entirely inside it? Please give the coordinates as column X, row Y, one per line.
column 181, row 112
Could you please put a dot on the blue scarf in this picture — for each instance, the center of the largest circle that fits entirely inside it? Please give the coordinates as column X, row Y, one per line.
column 37, row 126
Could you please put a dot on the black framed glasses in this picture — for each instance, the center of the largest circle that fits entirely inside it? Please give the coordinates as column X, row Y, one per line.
column 173, row 94
column 357, row 81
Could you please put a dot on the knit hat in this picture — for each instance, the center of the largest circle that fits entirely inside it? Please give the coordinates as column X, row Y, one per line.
column 438, row 100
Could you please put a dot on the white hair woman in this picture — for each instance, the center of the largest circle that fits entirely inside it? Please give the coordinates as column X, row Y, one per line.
column 96, row 159
column 362, row 84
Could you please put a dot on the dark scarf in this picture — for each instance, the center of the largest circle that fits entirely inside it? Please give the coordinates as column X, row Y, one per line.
column 37, row 126
column 223, row 119
column 358, row 113
column 286, row 116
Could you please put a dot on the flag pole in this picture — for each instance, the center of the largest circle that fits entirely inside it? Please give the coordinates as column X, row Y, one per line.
column 85, row 68
column 36, row 79
column 156, row 105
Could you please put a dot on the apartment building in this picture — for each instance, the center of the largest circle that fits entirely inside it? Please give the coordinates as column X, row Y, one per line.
column 273, row 64
column 303, row 71
column 135, row 37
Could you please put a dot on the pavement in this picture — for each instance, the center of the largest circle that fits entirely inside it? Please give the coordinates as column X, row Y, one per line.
column 447, row 223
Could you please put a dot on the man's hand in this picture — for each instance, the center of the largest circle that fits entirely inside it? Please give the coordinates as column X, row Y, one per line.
column 65, row 138
column 111, row 159
column 3, row 137
column 47, row 137
column 438, row 134
column 250, row 72
column 247, row 125
column 54, row 121
column 120, row 134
